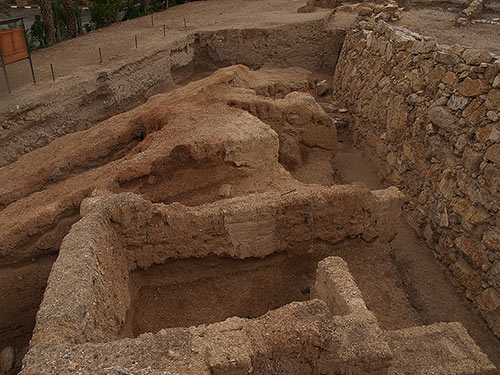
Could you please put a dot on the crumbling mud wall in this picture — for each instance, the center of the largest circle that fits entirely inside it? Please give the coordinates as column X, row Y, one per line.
column 37, row 123
column 191, row 145
column 85, row 306
column 489, row 5
column 312, row 337
column 427, row 116
column 120, row 233
column 146, row 150
column 310, row 45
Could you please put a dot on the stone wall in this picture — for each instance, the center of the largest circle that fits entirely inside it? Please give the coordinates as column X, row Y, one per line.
column 427, row 117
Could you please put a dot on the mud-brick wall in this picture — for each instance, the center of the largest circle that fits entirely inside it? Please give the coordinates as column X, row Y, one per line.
column 427, row 117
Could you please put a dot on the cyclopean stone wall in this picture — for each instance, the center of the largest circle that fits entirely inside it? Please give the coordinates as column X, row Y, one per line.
column 427, row 116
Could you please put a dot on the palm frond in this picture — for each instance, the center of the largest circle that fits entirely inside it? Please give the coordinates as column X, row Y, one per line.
column 4, row 8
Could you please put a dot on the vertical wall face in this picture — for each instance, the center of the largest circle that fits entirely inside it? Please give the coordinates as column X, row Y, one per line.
column 427, row 116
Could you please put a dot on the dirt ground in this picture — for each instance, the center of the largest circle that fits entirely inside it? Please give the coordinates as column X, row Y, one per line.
column 438, row 24
column 77, row 60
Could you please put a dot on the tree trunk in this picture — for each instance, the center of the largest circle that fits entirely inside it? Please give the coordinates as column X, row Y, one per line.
column 4, row 8
column 79, row 26
column 145, row 4
column 48, row 19
column 58, row 33
column 68, row 6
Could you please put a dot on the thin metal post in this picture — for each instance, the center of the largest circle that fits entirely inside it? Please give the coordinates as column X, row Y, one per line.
column 185, row 25
column 164, row 32
column 29, row 53
column 152, row 20
column 5, row 71
column 52, row 71
column 100, row 56
column 135, row 41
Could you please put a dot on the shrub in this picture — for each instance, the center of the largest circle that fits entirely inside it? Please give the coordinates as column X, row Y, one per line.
column 104, row 12
column 36, row 35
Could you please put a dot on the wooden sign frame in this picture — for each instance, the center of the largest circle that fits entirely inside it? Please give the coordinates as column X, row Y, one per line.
column 14, row 47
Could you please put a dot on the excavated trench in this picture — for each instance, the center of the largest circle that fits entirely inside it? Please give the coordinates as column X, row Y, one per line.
column 22, row 290
column 190, row 292
column 203, row 290
column 182, row 178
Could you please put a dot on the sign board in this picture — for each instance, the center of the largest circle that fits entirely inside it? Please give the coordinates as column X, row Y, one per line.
column 13, row 45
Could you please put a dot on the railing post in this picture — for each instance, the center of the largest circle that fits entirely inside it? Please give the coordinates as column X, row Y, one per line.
column 5, row 71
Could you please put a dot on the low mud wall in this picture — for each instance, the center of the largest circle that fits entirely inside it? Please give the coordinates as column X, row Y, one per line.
column 120, row 233
column 319, row 336
column 427, row 117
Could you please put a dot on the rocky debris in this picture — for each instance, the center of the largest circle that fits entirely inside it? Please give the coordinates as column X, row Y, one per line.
column 321, row 87
column 439, row 141
column 473, row 10
column 365, row 11
column 7, row 359
column 388, row 12
column 494, row 21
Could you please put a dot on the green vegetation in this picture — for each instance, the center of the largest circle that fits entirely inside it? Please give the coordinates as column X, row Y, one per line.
column 105, row 12
column 63, row 26
column 4, row 8
column 102, row 12
column 36, row 34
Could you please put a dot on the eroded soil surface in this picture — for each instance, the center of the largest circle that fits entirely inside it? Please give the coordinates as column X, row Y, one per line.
column 190, row 145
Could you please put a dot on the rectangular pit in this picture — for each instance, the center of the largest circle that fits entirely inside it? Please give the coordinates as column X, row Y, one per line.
column 188, row 292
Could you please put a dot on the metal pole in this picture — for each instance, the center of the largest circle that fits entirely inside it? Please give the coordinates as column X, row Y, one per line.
column 52, row 71
column 100, row 56
column 135, row 41
column 5, row 71
column 185, row 25
column 152, row 21
column 164, row 32
column 29, row 53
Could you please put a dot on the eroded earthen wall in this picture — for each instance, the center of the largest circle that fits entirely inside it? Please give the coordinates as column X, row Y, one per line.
column 427, row 116
column 119, row 233
column 124, row 87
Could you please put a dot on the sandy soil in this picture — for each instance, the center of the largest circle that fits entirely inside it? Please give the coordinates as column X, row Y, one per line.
column 208, row 290
column 438, row 23
column 77, row 60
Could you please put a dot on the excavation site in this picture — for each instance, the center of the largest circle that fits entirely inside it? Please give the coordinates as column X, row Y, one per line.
column 258, row 187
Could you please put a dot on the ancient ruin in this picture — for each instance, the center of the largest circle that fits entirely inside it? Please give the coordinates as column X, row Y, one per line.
column 315, row 193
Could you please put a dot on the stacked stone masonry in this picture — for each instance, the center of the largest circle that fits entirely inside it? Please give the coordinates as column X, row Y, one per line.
column 427, row 117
